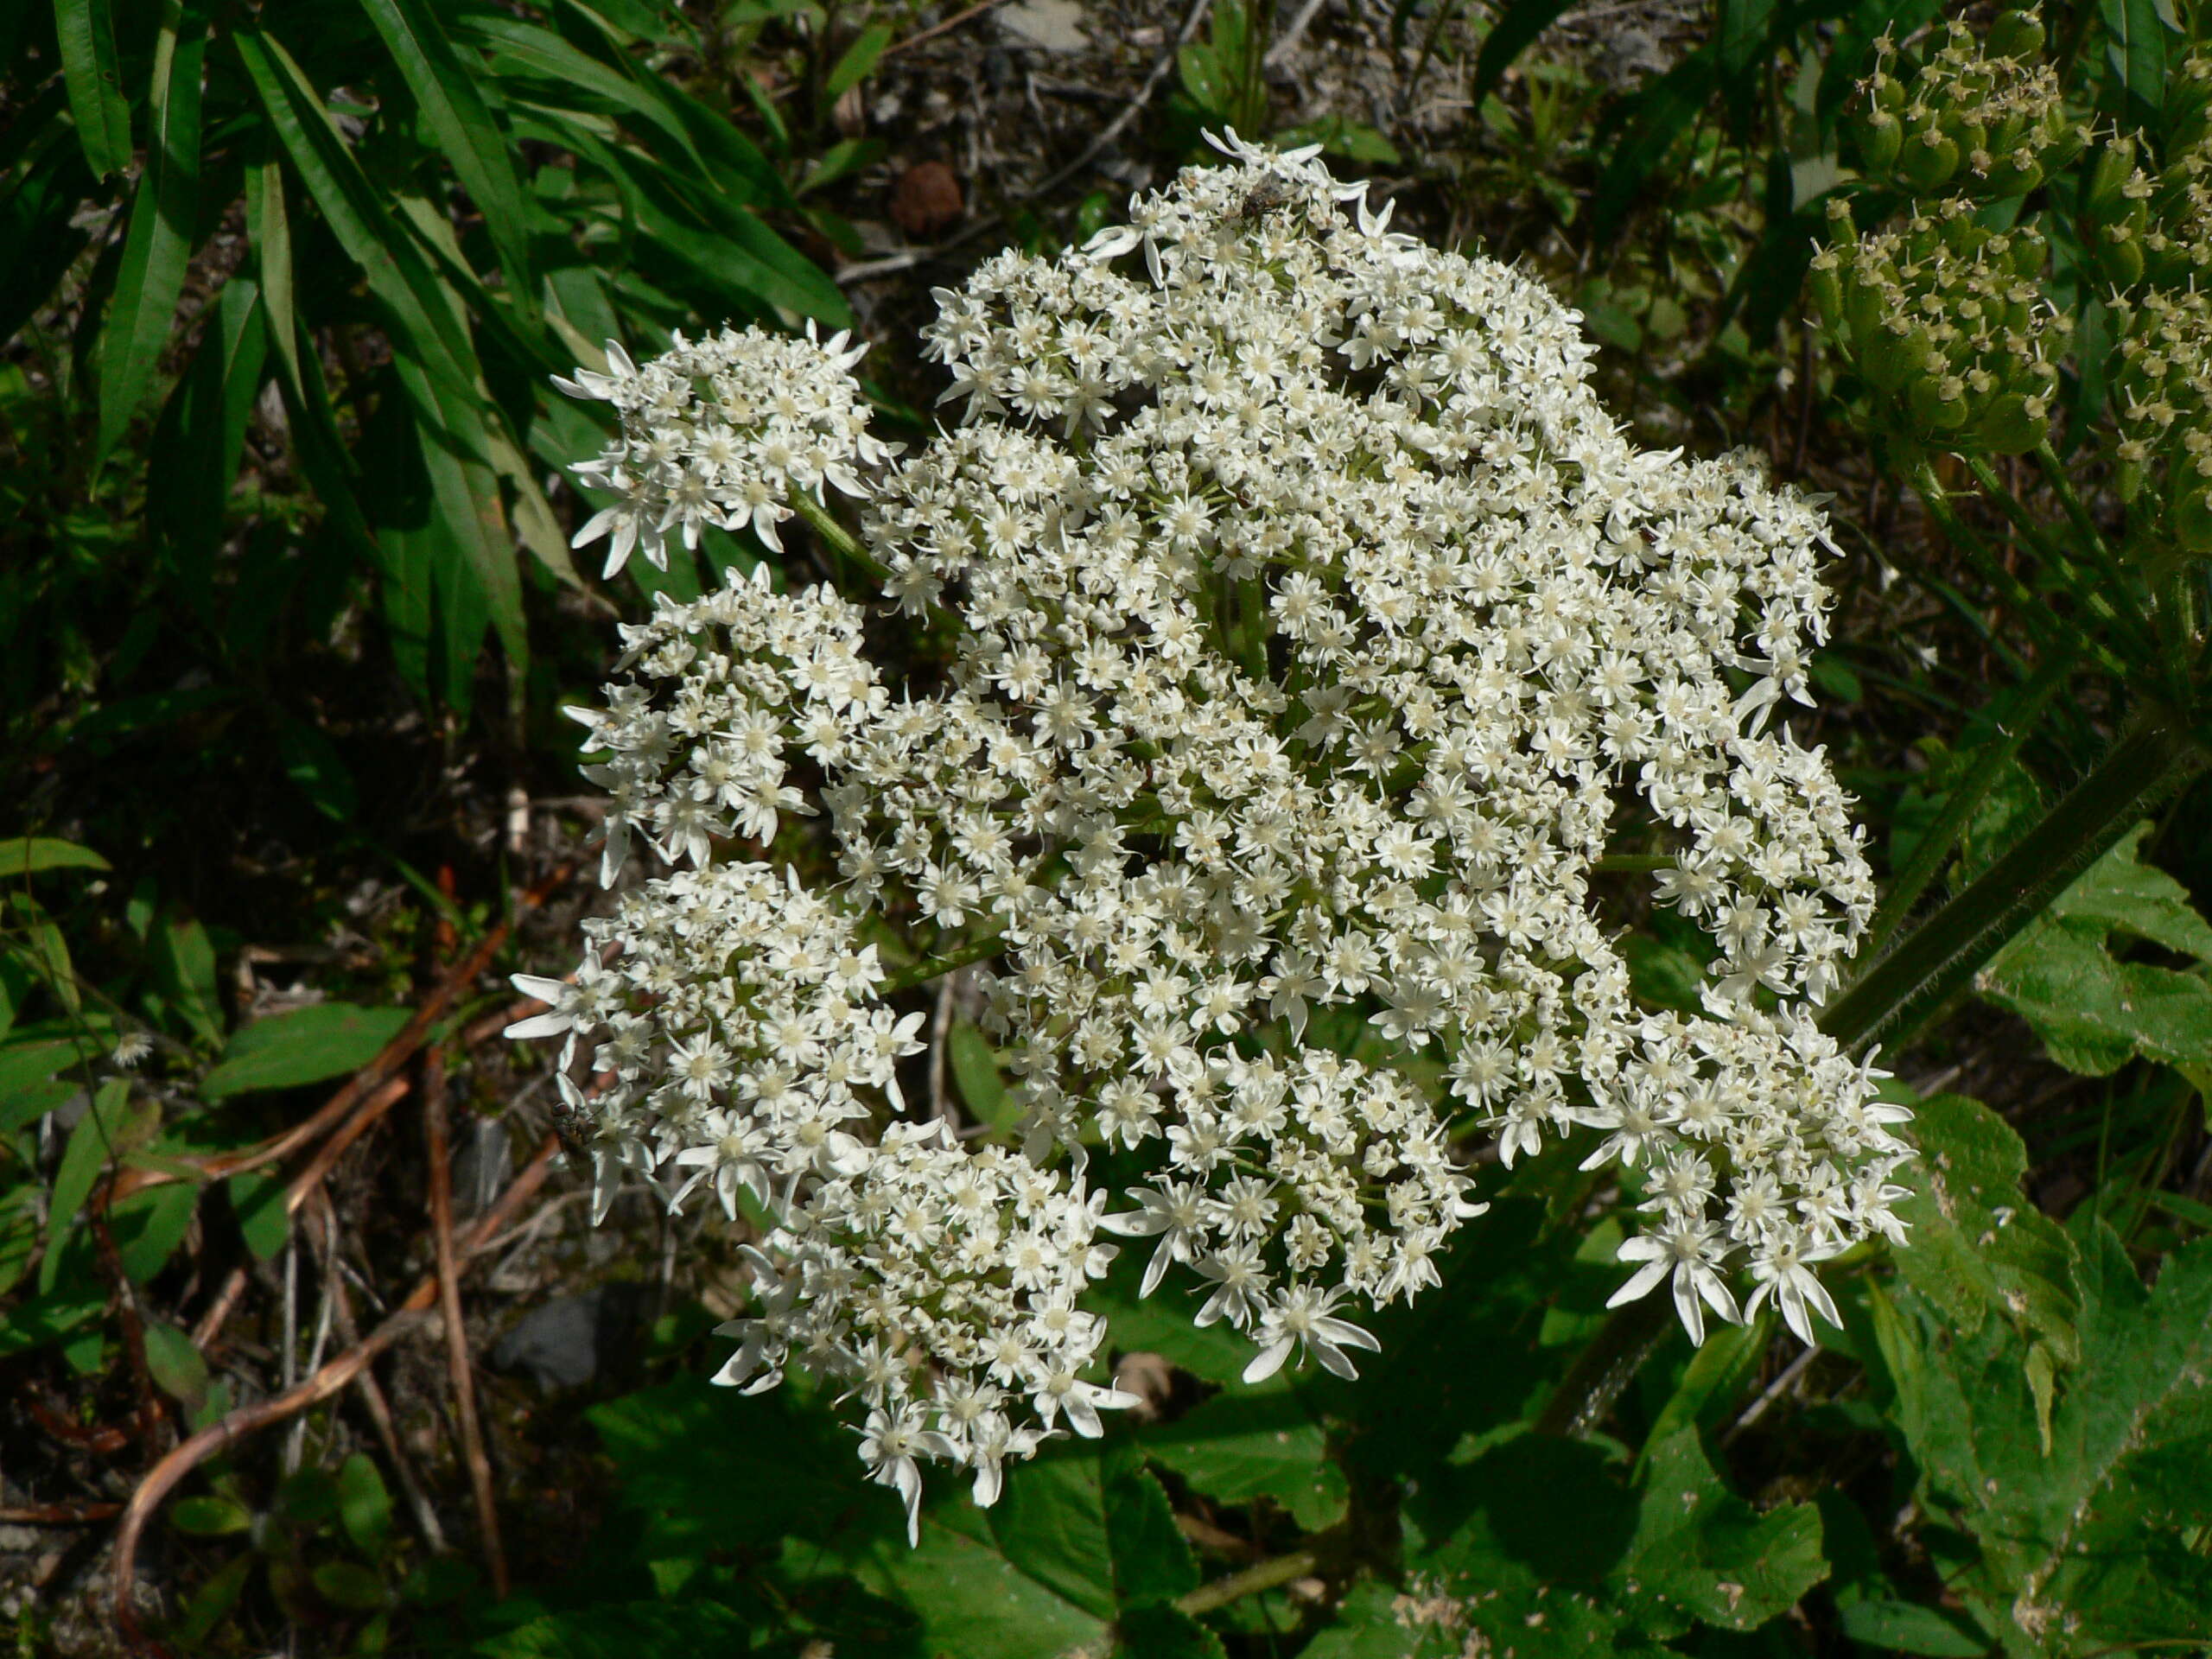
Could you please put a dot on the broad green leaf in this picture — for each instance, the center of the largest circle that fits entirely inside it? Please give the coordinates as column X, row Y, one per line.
column 349, row 1584
column 49, row 1318
column 175, row 1365
column 456, row 112
column 2088, row 1546
column 1976, row 1243
column 1247, row 1443
column 623, row 1631
column 310, row 1044
column 1702, row 1553
column 1893, row 1626
column 258, row 1201
column 974, row 1600
column 35, row 1080
column 158, row 245
column 975, row 1069
column 365, row 1506
column 148, row 1226
column 1159, row 1630
column 209, row 1517
column 708, row 1468
column 28, row 855
column 89, row 69
column 2069, row 975
column 183, row 963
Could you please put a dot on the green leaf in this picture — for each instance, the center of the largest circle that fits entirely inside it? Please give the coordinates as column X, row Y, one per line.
column 176, row 1366
column 350, row 1586
column 32, row 1082
column 19, row 1236
column 1656, row 118
column 1247, row 1443
column 163, row 209
column 148, row 1226
column 307, row 1046
column 363, row 1506
column 975, row 1069
column 2090, row 1546
column 1516, row 29
column 87, row 33
column 258, row 1201
column 209, row 1517
column 49, row 1318
column 1159, row 1630
column 854, row 63
column 1701, row 1552
column 106, row 1129
column 2069, row 975
column 456, row 112
column 1907, row 1627
column 2136, row 54
column 625, row 1630
column 1977, row 1244
column 978, row 1601
column 28, row 855
column 183, row 963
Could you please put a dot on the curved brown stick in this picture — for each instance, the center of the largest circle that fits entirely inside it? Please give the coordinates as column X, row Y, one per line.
column 372, row 1077
column 458, row 1367
column 164, row 1477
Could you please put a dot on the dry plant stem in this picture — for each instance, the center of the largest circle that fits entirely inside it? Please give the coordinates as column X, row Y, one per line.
column 149, row 1410
column 58, row 1514
column 379, row 1410
column 373, row 1076
column 435, row 1134
column 410, row 1315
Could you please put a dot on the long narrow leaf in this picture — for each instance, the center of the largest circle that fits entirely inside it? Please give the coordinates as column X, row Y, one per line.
column 201, row 434
column 1517, row 28
column 465, row 131
column 268, row 232
column 423, row 329
column 37, row 228
column 2135, row 51
column 158, row 246
column 89, row 68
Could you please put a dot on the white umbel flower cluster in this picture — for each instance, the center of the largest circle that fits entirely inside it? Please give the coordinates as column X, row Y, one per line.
column 720, row 431
column 1318, row 634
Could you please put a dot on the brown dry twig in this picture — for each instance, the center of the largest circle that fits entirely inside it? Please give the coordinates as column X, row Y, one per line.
column 164, row 1477
column 371, row 1078
column 458, row 1365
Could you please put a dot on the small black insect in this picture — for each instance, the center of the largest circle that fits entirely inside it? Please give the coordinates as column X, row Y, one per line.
column 573, row 1127
column 1263, row 198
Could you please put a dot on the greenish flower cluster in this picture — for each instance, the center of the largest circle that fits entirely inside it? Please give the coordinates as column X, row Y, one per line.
column 1946, row 322
column 1982, row 117
column 1941, row 314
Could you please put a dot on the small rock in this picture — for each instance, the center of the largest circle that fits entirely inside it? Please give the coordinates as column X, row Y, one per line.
column 571, row 1339
column 926, row 200
column 1055, row 25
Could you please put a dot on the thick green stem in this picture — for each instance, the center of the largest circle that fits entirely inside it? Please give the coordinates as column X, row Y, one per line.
column 835, row 536
column 1934, row 848
column 1608, row 1364
column 2097, row 596
column 932, row 967
column 2055, row 632
column 1269, row 1574
column 1941, row 955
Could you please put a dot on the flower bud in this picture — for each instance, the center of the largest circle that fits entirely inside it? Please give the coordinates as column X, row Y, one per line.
column 2015, row 34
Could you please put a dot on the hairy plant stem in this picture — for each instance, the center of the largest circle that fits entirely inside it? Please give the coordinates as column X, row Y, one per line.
column 2056, row 632
column 1958, row 807
column 835, row 537
column 1607, row 1364
column 1269, row 1574
column 2156, row 755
